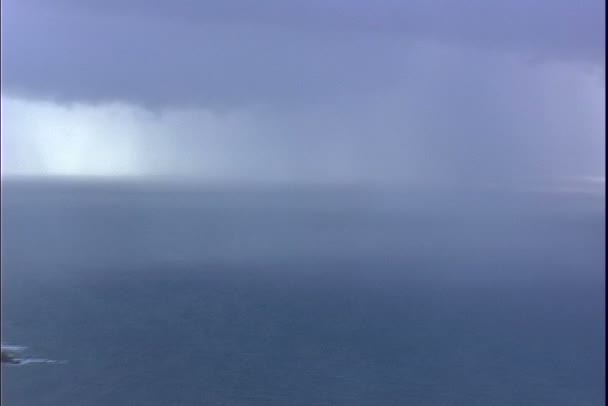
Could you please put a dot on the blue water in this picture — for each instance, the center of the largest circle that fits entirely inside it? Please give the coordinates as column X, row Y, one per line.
column 302, row 296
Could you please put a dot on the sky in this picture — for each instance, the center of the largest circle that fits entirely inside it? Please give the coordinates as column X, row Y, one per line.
column 384, row 91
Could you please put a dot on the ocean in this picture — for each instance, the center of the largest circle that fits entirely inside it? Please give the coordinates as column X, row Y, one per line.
column 302, row 295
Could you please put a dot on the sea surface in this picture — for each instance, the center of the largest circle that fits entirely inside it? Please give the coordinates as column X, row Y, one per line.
column 311, row 295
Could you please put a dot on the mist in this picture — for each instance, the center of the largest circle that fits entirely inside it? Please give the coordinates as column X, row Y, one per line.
column 305, row 203
column 368, row 95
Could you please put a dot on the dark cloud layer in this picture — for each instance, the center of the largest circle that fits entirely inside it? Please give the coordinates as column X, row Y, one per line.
column 235, row 52
column 386, row 90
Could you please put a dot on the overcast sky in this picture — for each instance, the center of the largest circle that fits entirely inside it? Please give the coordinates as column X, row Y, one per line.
column 427, row 91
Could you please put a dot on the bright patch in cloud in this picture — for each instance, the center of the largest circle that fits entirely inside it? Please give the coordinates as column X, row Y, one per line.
column 109, row 140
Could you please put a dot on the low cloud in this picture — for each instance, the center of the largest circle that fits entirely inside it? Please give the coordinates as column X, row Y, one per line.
column 348, row 92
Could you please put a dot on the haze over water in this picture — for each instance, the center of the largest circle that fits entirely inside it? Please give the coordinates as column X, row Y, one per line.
column 302, row 295
column 320, row 202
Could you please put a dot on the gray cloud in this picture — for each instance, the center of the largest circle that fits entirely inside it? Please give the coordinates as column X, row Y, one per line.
column 483, row 91
column 227, row 52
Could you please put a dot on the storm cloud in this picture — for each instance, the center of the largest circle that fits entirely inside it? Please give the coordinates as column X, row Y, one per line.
column 420, row 91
